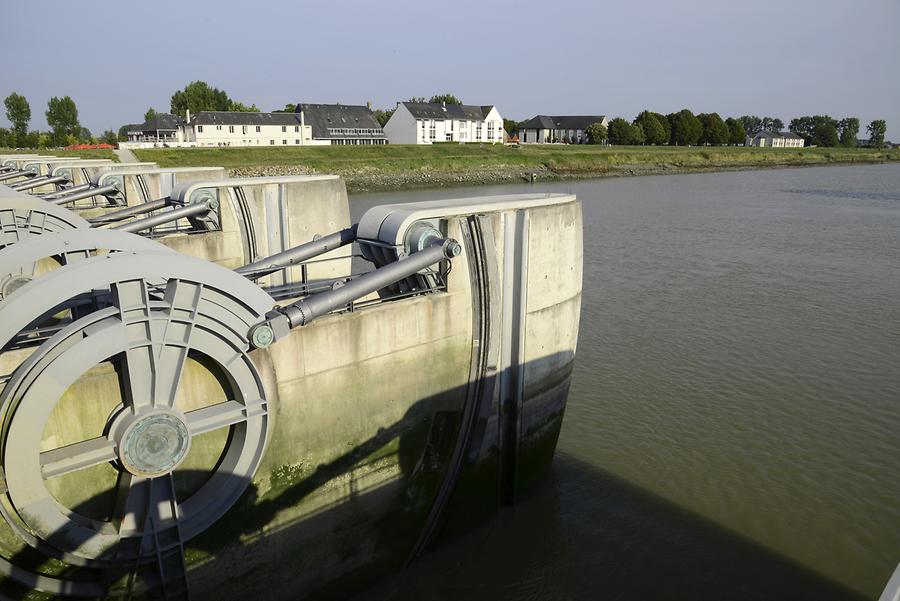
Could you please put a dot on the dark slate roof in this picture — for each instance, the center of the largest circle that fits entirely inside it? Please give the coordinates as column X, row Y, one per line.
column 323, row 117
column 237, row 118
column 436, row 110
column 561, row 122
column 162, row 121
column 780, row 134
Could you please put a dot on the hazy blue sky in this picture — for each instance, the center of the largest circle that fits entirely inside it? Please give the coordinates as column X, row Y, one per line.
column 780, row 58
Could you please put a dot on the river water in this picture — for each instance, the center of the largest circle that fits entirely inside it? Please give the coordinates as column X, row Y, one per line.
column 733, row 428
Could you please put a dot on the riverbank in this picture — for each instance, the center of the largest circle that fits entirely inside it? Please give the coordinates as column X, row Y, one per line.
column 395, row 167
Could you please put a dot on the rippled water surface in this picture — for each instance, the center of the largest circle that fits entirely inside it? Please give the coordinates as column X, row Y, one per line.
column 733, row 429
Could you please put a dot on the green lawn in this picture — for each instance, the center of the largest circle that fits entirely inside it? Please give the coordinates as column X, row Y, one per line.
column 58, row 152
column 458, row 158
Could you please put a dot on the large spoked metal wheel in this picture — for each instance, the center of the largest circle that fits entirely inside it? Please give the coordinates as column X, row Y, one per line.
column 23, row 217
column 22, row 262
column 179, row 311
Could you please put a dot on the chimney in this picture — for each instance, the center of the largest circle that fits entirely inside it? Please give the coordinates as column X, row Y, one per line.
column 302, row 121
column 444, row 103
column 187, row 117
column 369, row 104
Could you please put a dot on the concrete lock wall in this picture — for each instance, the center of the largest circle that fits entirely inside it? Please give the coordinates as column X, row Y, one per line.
column 364, row 405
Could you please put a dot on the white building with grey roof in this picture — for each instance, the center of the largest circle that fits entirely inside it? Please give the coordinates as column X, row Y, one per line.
column 776, row 139
column 570, row 129
column 430, row 122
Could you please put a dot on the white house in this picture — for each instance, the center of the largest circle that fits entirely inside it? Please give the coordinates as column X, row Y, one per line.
column 222, row 128
column 162, row 129
column 545, row 129
column 311, row 124
column 430, row 122
column 776, row 139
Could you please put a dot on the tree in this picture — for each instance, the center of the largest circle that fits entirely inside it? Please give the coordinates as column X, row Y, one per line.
column 382, row 116
column 654, row 130
column 149, row 115
column 622, row 132
column 445, row 99
column 288, row 108
column 849, row 128
column 876, row 130
column 825, row 134
column 18, row 111
column 419, row 99
column 597, row 133
column 85, row 136
column 62, row 117
column 198, row 96
column 714, row 132
column 751, row 123
column 240, row 107
column 685, row 128
column 7, row 138
column 736, row 133
column 109, row 137
column 510, row 126
column 777, row 124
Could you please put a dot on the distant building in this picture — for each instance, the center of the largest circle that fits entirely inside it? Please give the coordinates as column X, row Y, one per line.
column 223, row 128
column 342, row 124
column 430, row 122
column 544, row 129
column 776, row 139
column 163, row 129
column 311, row 124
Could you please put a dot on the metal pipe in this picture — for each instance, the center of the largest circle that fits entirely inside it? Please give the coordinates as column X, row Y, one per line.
column 173, row 215
column 119, row 215
column 297, row 254
column 14, row 174
column 99, row 191
column 307, row 309
column 64, row 191
column 37, row 182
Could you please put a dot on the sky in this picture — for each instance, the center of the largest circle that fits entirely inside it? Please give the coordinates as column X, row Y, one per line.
column 781, row 58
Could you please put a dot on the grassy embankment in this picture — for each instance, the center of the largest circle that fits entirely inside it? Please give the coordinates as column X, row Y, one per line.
column 94, row 153
column 394, row 167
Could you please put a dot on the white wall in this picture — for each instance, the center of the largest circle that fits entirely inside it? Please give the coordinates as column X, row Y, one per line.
column 247, row 135
column 403, row 128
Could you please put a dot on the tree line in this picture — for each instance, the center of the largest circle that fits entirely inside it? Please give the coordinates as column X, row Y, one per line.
column 62, row 118
column 686, row 129
column 682, row 128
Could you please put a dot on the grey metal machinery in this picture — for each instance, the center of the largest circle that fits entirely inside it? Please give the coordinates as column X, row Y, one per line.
column 148, row 392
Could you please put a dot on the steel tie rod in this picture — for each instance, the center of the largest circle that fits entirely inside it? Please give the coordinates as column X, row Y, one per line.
column 120, row 214
column 298, row 254
column 173, row 215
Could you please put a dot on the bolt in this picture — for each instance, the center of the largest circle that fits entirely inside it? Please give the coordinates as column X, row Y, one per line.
column 453, row 249
column 262, row 336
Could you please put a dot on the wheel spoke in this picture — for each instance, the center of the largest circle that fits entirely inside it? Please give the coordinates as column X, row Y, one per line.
column 132, row 503
column 78, row 456
column 221, row 415
column 157, row 347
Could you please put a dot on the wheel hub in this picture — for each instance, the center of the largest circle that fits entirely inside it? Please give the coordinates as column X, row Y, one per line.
column 154, row 445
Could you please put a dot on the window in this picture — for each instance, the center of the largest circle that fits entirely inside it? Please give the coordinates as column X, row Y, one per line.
column 478, row 131
column 284, row 141
column 257, row 129
column 297, row 141
column 231, row 129
column 449, row 137
column 283, row 128
column 272, row 142
column 199, row 129
column 490, row 130
column 431, row 131
column 243, row 129
column 296, row 128
column 218, row 128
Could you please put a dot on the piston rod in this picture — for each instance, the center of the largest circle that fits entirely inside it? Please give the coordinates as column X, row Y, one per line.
column 298, row 254
column 64, row 191
column 167, row 217
column 37, row 182
column 107, row 190
column 305, row 310
column 14, row 174
column 119, row 215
